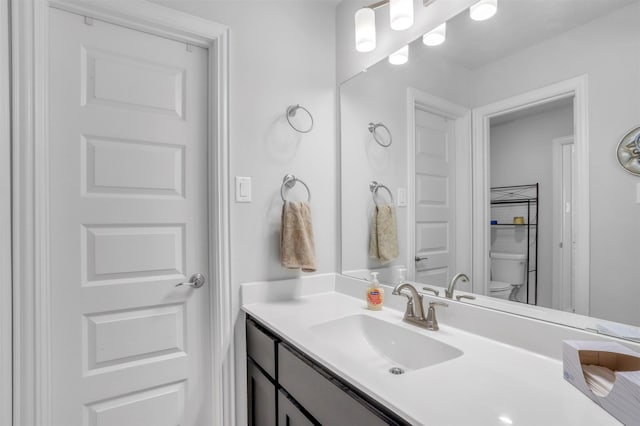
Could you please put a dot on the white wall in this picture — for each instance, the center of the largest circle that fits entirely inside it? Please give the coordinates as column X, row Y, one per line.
column 521, row 154
column 607, row 50
column 380, row 95
column 281, row 53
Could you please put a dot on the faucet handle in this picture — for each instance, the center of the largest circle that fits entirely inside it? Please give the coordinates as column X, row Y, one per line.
column 465, row 296
column 432, row 322
column 432, row 290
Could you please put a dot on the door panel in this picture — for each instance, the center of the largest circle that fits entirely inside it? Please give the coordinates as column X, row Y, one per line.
column 434, row 201
column 128, row 178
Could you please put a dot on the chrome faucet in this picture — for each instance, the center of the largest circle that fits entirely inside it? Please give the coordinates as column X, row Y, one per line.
column 414, row 313
column 452, row 284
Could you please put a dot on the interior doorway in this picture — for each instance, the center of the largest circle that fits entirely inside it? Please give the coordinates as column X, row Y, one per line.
column 576, row 90
column 523, row 188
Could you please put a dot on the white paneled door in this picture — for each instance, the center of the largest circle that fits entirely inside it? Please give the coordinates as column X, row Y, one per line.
column 434, row 197
column 129, row 220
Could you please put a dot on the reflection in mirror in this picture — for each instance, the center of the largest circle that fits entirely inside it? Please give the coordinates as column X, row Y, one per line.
column 528, row 198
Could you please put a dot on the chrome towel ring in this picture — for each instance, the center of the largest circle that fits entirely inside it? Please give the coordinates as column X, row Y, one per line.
column 288, row 182
column 379, row 138
column 374, row 186
column 291, row 112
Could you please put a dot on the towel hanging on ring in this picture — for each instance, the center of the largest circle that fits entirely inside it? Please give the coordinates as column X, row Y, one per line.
column 383, row 243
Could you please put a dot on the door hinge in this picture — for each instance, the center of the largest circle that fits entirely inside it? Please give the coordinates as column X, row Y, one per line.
column 88, row 20
column 189, row 48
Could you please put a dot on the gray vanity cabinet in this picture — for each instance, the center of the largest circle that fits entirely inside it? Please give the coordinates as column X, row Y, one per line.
column 261, row 399
column 289, row 414
column 287, row 388
column 316, row 391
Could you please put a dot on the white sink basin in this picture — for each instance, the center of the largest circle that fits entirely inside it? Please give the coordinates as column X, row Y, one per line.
column 383, row 345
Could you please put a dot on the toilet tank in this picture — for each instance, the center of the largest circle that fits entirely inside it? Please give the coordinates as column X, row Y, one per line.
column 508, row 267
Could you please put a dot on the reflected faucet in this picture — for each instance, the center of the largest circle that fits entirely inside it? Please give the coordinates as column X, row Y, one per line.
column 452, row 284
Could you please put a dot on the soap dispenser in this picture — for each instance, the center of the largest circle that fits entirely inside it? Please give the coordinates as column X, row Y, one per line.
column 375, row 293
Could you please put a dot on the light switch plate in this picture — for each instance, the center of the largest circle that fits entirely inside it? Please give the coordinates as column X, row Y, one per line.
column 402, row 197
column 243, row 189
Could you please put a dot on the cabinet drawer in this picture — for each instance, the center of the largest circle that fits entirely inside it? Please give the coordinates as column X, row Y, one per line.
column 289, row 414
column 261, row 347
column 326, row 401
column 261, row 397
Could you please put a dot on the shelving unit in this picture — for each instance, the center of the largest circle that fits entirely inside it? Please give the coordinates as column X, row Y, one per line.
column 520, row 200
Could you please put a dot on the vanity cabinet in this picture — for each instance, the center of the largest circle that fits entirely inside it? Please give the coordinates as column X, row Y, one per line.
column 261, row 401
column 290, row 413
column 287, row 388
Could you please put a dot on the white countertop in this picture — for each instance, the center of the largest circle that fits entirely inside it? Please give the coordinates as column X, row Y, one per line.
column 491, row 384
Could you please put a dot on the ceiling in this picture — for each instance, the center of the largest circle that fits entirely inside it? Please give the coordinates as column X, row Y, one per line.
column 517, row 24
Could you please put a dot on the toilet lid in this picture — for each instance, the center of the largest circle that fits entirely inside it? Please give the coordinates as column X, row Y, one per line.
column 499, row 286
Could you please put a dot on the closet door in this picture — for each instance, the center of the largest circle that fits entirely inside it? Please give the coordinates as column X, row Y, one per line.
column 434, row 198
column 129, row 221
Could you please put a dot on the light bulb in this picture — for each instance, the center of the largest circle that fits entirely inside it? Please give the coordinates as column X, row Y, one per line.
column 365, row 30
column 436, row 36
column 400, row 56
column 400, row 14
column 483, row 10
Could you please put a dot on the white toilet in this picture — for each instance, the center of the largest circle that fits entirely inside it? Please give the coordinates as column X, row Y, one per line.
column 507, row 274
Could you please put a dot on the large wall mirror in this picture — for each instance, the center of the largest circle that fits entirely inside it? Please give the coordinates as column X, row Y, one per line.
column 502, row 162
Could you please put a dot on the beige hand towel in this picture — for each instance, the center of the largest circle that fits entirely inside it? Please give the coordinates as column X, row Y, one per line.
column 383, row 244
column 297, row 249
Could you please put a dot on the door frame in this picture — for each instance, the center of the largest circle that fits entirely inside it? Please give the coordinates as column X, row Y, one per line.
column 462, row 117
column 30, row 203
column 578, row 89
column 557, row 145
column 5, row 222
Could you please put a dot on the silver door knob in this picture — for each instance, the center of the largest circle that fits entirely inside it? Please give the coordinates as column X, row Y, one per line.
column 196, row 281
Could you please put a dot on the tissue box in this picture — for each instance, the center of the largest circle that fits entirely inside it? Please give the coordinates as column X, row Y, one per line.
column 623, row 401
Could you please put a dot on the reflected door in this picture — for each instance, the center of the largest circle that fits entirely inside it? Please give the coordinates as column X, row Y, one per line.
column 128, row 178
column 434, row 200
column 564, row 246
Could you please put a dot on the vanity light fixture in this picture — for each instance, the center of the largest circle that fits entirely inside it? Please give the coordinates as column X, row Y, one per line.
column 365, row 30
column 400, row 14
column 436, row 36
column 483, row 10
column 400, row 18
column 400, row 56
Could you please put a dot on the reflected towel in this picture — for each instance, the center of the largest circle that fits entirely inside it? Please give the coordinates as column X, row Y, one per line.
column 383, row 244
column 599, row 379
column 297, row 248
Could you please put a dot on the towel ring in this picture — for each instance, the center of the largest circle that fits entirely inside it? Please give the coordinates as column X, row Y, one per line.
column 289, row 181
column 291, row 112
column 378, row 138
column 374, row 186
